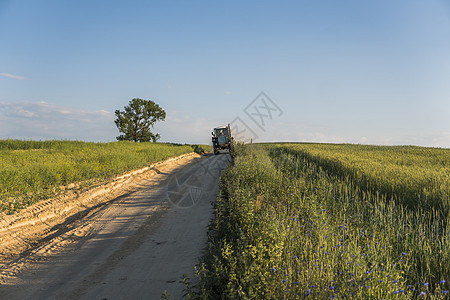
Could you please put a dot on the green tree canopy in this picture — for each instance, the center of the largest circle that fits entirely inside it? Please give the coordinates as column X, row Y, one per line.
column 137, row 120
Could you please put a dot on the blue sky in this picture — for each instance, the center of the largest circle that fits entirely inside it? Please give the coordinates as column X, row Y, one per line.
column 372, row 72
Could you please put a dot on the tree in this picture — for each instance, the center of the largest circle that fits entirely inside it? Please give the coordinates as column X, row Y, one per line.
column 137, row 119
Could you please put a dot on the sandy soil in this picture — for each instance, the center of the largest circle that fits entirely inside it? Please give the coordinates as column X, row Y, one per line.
column 133, row 238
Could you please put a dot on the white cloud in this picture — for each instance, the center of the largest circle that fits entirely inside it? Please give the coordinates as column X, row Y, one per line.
column 181, row 128
column 363, row 140
column 17, row 77
column 300, row 132
column 41, row 121
column 439, row 139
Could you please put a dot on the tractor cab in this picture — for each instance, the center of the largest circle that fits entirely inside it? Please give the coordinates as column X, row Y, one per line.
column 221, row 138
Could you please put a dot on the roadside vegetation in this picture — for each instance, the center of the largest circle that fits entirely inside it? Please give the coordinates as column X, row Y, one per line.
column 330, row 221
column 35, row 170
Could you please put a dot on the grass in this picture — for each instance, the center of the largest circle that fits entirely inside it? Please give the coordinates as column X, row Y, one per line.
column 329, row 221
column 417, row 176
column 34, row 170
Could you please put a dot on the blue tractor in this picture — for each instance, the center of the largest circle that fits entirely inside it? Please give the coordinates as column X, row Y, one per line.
column 222, row 139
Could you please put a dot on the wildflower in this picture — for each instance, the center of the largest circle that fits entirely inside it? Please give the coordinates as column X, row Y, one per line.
column 442, row 281
column 422, row 294
column 445, row 292
column 425, row 283
column 331, row 287
column 284, row 280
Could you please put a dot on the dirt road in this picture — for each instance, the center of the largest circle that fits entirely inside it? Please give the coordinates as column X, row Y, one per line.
column 133, row 246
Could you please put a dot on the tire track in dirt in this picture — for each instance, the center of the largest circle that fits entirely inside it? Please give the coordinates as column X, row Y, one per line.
column 84, row 254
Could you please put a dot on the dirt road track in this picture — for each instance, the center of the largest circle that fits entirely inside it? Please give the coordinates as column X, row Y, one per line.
column 135, row 246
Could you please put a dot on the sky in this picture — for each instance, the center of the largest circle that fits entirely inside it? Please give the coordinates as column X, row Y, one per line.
column 351, row 71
